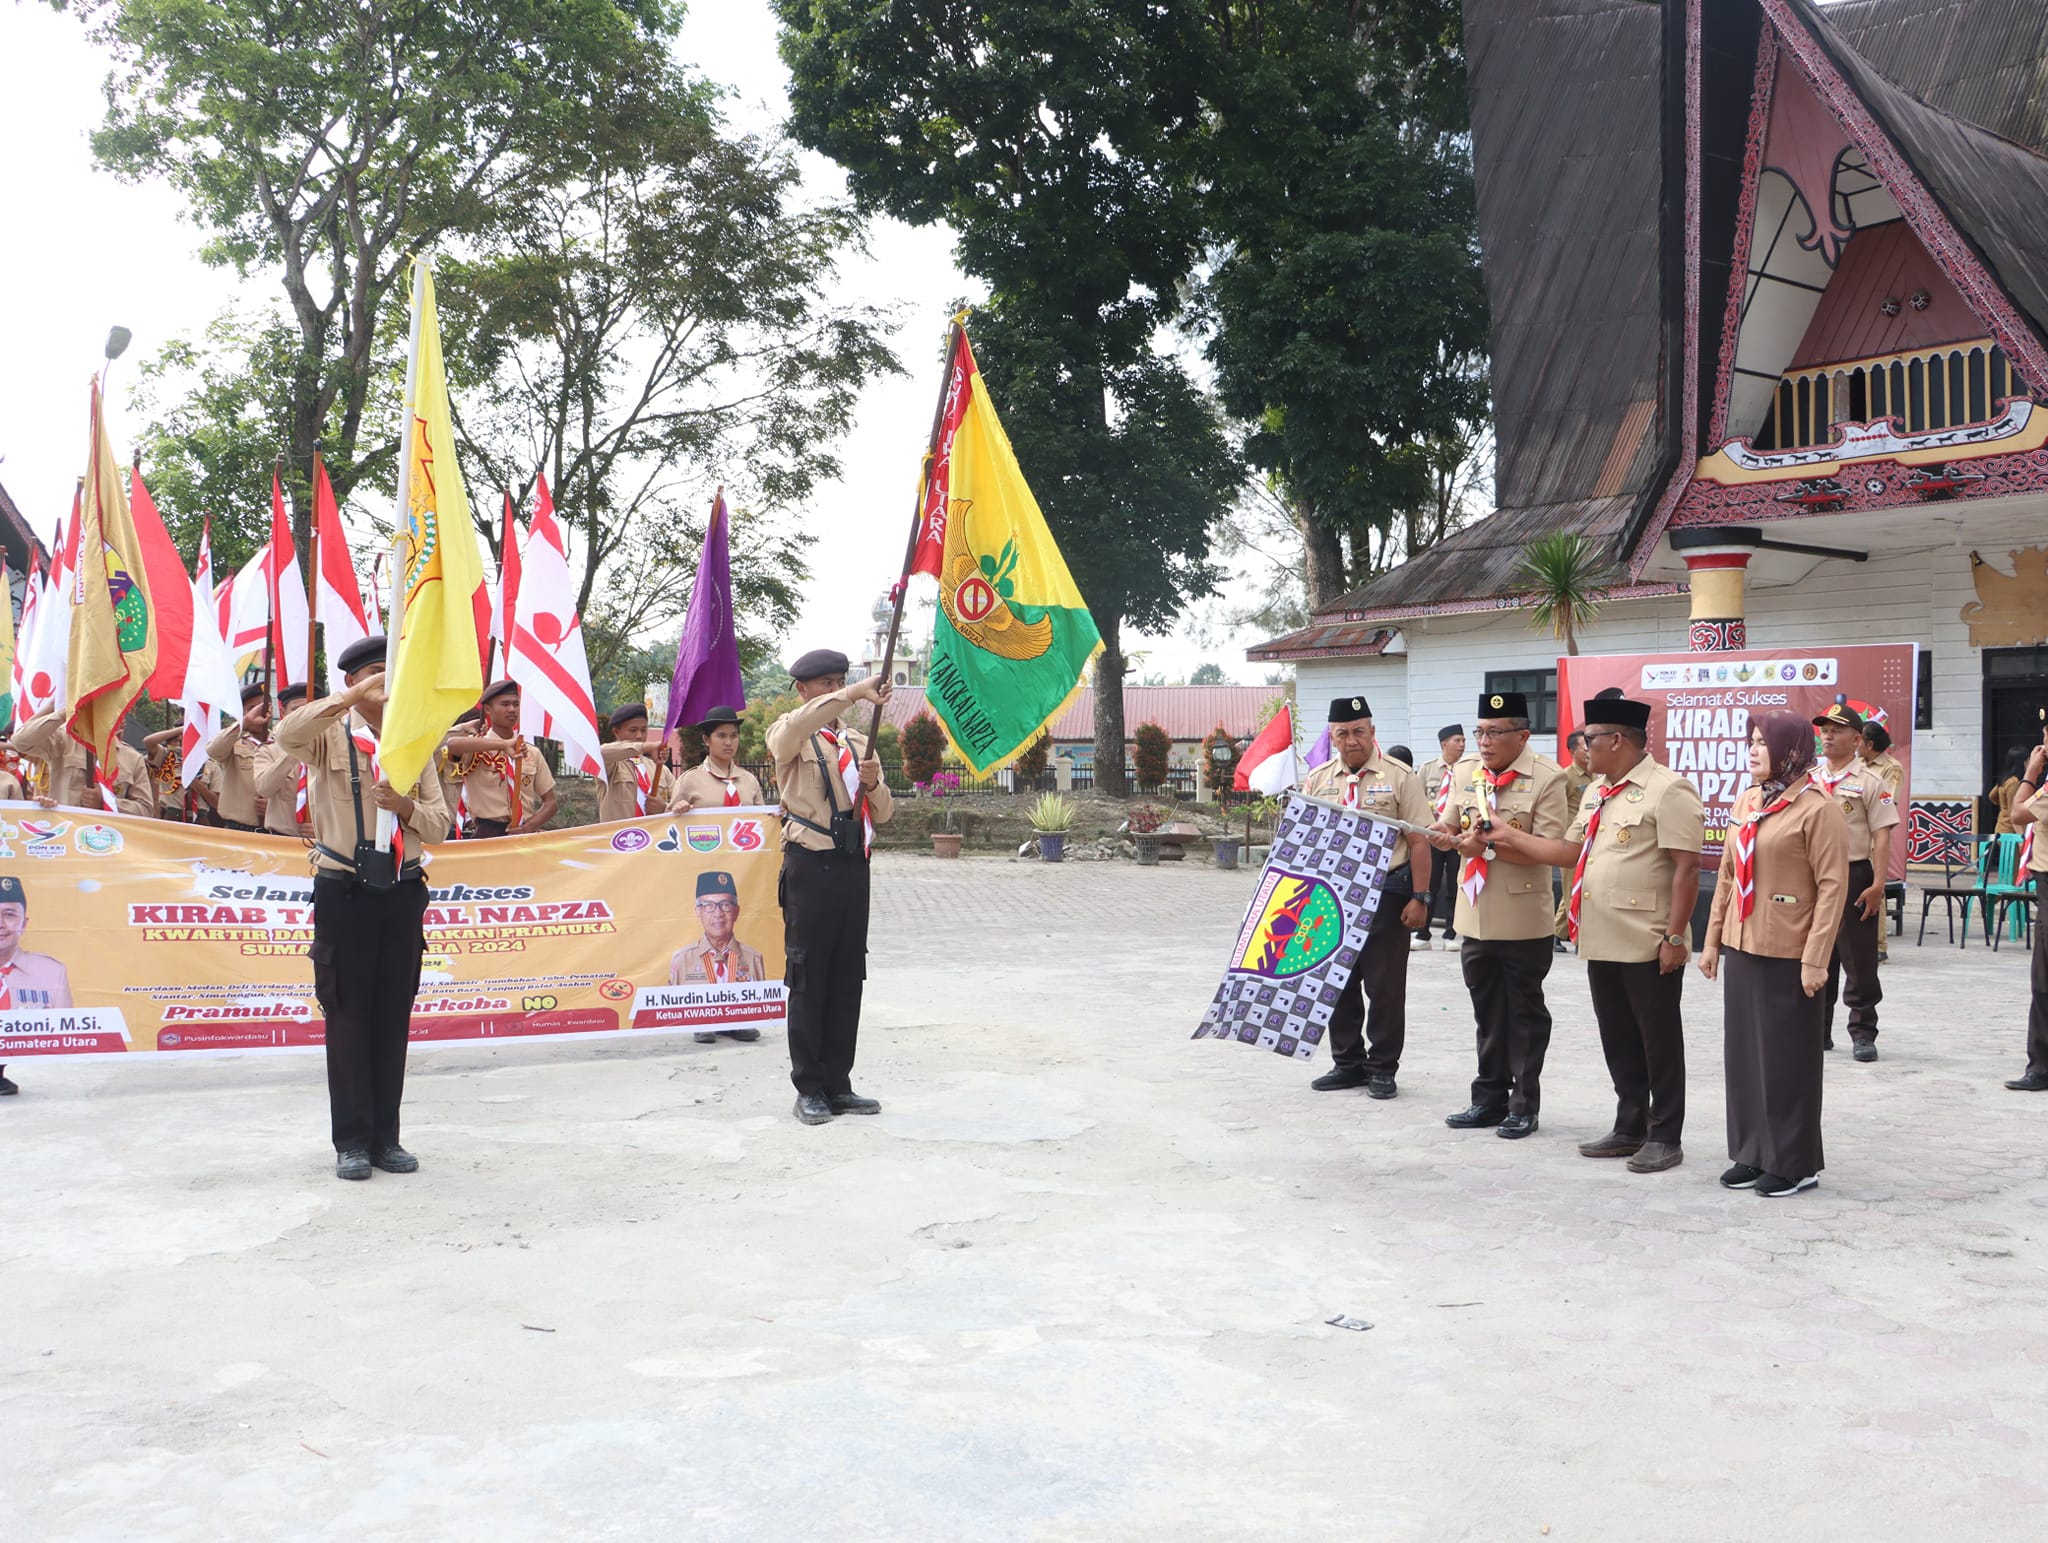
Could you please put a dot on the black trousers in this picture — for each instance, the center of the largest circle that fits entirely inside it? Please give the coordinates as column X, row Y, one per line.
column 2037, row 1013
column 1505, row 977
column 366, row 953
column 1443, row 892
column 1642, row 1034
column 1771, row 1038
column 1381, row 979
column 825, row 941
column 1852, row 972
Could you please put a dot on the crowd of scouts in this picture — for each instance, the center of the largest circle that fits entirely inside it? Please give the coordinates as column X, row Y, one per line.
column 1795, row 925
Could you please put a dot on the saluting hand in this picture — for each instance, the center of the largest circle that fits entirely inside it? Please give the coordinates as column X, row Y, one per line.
column 2037, row 765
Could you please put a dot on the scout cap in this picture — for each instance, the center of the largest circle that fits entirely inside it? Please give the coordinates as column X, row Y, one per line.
column 1840, row 716
column 626, row 712
column 11, row 892
column 1449, row 731
column 253, row 692
column 1617, row 712
column 291, row 694
column 717, row 885
column 819, row 661
column 361, row 654
column 1503, row 704
column 1349, row 709
column 717, row 717
column 498, row 688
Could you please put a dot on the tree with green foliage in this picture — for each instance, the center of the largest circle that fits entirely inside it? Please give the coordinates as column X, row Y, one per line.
column 1151, row 755
column 1052, row 137
column 1346, row 303
column 1219, row 770
column 924, row 747
column 1208, row 673
column 1565, row 576
column 325, row 144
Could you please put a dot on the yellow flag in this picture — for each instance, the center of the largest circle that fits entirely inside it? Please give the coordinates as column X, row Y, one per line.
column 113, row 624
column 436, row 673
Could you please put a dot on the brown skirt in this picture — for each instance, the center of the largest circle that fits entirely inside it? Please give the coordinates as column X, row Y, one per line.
column 1773, row 1035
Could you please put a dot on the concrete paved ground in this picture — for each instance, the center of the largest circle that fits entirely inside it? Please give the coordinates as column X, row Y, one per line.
column 1071, row 1284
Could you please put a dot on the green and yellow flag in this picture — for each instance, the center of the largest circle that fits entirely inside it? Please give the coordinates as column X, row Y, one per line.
column 113, row 625
column 1013, row 635
column 436, row 673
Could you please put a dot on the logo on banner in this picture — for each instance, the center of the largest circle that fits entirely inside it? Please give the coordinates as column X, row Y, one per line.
column 669, row 843
column 45, row 838
column 99, row 840
column 703, row 838
column 631, row 839
column 615, row 990
column 746, row 835
column 1300, row 926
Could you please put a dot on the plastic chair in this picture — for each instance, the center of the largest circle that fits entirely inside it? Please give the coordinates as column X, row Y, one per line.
column 1961, row 882
column 2008, row 889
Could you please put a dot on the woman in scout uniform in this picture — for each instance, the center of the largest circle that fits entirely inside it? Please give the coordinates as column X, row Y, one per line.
column 1360, row 776
column 506, row 785
column 716, row 782
column 636, row 783
column 1503, row 915
column 368, row 928
column 2030, row 812
column 1780, row 899
column 1872, row 812
column 1634, row 856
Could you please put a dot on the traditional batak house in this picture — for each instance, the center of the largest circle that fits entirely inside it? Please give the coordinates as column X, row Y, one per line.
column 1769, row 284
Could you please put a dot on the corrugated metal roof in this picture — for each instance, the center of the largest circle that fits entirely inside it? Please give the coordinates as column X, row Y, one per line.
column 1185, row 712
column 1979, row 60
column 1326, row 639
column 1850, row 323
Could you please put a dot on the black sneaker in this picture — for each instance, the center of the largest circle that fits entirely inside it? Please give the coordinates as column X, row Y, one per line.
column 1340, row 1077
column 352, row 1165
column 1772, row 1185
column 1381, row 1085
column 1741, row 1176
column 812, row 1109
column 395, row 1160
column 1866, row 1050
column 852, row 1103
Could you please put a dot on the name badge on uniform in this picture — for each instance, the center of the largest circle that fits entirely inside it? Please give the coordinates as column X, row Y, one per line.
column 1635, row 795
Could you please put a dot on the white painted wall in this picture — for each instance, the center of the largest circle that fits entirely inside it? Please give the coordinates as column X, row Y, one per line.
column 1381, row 679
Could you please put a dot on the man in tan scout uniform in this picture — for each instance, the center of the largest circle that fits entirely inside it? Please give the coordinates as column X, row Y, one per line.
column 716, row 782
column 1634, row 855
column 635, row 782
column 1504, row 911
column 1872, row 811
column 1578, row 776
column 506, row 783
column 2030, row 813
column 715, row 956
column 369, row 909
column 278, row 779
column 1361, row 776
column 1443, row 866
column 236, row 749
column 832, row 793
column 65, row 778
column 1877, row 755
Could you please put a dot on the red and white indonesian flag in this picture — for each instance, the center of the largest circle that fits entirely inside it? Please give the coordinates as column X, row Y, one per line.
column 48, row 653
column 268, row 605
column 1270, row 765
column 338, row 593
column 211, row 685
column 548, row 660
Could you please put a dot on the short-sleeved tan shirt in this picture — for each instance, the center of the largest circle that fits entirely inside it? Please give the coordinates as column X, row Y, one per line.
column 486, row 779
column 277, row 780
column 34, row 982
column 1516, row 902
column 1866, row 802
column 707, row 790
column 1625, row 904
column 1381, row 786
column 696, row 961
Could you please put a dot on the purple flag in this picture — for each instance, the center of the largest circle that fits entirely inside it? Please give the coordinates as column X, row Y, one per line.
column 1320, row 752
column 708, row 657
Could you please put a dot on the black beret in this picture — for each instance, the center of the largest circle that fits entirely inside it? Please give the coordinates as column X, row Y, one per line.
column 1617, row 712
column 292, row 694
column 361, row 654
column 819, row 661
column 717, row 883
column 1349, row 709
column 1503, row 704
column 11, row 892
column 253, row 692
column 1840, row 716
column 718, row 717
column 498, row 688
column 1448, row 730
column 626, row 712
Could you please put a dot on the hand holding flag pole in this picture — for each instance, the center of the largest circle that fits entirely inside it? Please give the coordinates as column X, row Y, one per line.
column 401, row 544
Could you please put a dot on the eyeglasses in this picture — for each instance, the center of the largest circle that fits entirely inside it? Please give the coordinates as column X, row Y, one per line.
column 718, row 905
column 1593, row 734
column 1497, row 733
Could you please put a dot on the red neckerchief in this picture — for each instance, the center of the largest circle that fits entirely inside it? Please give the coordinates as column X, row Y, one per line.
column 1742, row 852
column 508, row 771
column 1473, row 880
column 849, row 774
column 1828, row 784
column 302, row 795
column 643, row 784
column 7, row 985
column 1586, row 850
column 732, row 783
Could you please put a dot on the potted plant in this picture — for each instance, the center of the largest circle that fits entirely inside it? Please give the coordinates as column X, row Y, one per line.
column 1143, row 824
column 1051, row 816
column 1224, row 849
column 941, row 786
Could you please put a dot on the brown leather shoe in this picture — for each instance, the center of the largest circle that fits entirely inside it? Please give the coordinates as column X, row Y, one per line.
column 1613, row 1144
column 1655, row 1157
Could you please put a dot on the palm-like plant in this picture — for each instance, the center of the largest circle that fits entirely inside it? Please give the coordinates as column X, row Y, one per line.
column 1567, row 574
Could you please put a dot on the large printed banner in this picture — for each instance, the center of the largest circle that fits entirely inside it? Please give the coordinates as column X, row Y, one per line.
column 141, row 935
column 1702, row 705
column 1305, row 928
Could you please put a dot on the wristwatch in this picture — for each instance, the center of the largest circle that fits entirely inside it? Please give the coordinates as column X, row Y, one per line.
column 1675, row 939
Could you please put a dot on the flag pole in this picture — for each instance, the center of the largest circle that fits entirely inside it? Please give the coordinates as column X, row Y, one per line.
column 313, row 584
column 394, row 632
column 902, row 587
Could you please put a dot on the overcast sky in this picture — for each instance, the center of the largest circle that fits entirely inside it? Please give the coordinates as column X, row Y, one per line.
column 80, row 251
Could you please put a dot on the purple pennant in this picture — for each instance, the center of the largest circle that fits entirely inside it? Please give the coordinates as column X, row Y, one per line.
column 1320, row 751
column 708, row 656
